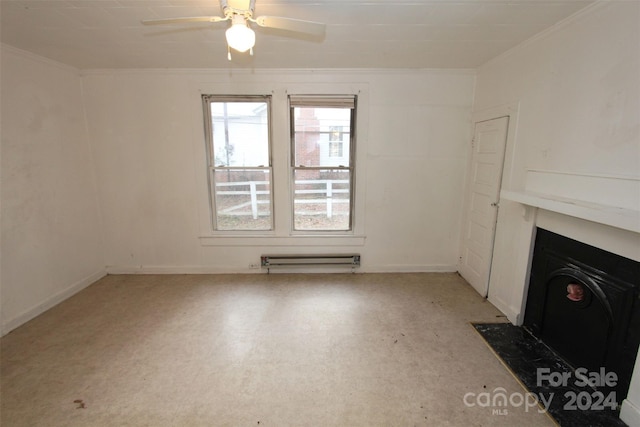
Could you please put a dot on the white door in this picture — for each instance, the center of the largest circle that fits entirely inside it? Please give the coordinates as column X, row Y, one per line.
column 483, row 193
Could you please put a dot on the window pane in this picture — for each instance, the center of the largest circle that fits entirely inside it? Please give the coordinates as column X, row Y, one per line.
column 240, row 133
column 322, row 136
column 322, row 199
column 242, row 199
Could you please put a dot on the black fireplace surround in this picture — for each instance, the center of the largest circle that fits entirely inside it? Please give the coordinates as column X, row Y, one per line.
column 583, row 302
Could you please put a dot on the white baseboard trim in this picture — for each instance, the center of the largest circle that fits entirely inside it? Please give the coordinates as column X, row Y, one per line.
column 179, row 269
column 416, row 268
column 513, row 316
column 199, row 269
column 630, row 414
column 56, row 299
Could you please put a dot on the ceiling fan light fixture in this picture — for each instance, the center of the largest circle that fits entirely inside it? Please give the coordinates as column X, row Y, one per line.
column 239, row 36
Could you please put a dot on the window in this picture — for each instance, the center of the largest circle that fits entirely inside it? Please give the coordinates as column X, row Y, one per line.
column 242, row 185
column 322, row 162
column 335, row 141
column 239, row 161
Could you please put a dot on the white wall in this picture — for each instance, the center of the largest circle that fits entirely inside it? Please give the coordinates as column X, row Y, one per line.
column 147, row 131
column 51, row 232
column 576, row 93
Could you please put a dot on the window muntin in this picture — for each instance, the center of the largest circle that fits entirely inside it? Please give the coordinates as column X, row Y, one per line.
column 239, row 158
column 322, row 162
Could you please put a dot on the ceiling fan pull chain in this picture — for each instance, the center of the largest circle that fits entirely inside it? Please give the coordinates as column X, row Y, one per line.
column 228, row 53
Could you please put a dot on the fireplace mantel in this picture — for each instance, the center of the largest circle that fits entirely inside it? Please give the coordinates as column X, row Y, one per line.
column 624, row 218
column 604, row 199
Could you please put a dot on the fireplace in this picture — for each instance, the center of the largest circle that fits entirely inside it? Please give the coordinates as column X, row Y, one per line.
column 583, row 302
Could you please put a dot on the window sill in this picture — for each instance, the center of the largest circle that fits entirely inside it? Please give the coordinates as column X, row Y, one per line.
column 282, row 241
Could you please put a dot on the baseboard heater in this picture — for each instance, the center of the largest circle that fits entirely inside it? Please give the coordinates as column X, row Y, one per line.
column 305, row 260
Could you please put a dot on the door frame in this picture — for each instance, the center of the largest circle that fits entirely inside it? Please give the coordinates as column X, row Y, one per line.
column 512, row 175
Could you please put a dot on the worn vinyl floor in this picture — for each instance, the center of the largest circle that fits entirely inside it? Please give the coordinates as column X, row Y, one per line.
column 260, row 350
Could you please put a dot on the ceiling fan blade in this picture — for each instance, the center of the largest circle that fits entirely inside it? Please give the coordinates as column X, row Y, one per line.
column 185, row 20
column 289, row 24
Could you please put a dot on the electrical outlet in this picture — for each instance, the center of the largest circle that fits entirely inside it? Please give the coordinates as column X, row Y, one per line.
column 254, row 266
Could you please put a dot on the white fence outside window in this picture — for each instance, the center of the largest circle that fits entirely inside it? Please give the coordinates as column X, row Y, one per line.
column 326, row 191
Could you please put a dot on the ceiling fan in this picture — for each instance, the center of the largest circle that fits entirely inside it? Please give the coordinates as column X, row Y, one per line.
column 239, row 35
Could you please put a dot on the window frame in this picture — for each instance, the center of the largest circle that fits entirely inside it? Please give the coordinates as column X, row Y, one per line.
column 207, row 100
column 327, row 101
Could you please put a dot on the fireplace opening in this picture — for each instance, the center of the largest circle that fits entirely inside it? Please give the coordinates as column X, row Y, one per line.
column 583, row 303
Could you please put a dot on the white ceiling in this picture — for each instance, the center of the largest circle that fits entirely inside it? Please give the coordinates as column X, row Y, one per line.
column 360, row 33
